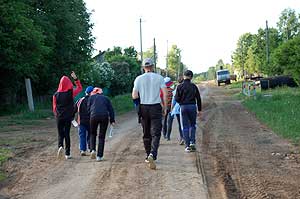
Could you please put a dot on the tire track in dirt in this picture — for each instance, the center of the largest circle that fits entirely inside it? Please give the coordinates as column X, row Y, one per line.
column 237, row 158
column 123, row 173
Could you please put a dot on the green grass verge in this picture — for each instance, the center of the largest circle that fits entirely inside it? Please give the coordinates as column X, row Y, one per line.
column 4, row 155
column 237, row 84
column 122, row 103
column 279, row 109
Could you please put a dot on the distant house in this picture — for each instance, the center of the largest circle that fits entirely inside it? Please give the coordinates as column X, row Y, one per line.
column 100, row 57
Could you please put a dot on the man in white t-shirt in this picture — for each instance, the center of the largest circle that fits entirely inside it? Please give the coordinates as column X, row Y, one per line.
column 147, row 87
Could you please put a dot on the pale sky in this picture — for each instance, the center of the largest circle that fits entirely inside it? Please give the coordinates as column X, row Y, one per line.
column 205, row 31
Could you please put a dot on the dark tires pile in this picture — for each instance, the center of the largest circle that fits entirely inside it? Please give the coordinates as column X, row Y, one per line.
column 278, row 81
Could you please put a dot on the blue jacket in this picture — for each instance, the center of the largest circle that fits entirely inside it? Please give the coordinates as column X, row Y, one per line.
column 176, row 106
column 100, row 106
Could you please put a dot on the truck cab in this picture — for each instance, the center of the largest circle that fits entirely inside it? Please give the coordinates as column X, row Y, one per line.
column 223, row 76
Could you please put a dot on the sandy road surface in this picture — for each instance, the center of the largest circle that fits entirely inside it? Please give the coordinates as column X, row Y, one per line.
column 237, row 157
column 243, row 158
column 123, row 174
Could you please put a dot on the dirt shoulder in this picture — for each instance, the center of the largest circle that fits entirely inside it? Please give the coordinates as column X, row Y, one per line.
column 123, row 174
column 243, row 158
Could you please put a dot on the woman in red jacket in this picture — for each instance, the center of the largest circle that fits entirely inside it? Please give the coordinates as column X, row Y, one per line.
column 63, row 103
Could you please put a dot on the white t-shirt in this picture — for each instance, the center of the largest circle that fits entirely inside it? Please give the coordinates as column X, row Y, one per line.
column 148, row 86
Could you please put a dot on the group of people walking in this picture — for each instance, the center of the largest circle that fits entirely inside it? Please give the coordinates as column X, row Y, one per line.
column 152, row 92
column 94, row 109
column 157, row 104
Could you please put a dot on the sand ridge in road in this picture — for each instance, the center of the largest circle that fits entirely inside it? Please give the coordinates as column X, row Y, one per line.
column 237, row 153
column 123, row 174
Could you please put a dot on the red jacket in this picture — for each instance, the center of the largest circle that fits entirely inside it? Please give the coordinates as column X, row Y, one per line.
column 63, row 98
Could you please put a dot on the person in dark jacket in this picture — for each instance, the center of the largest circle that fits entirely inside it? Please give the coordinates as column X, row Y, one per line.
column 101, row 113
column 187, row 95
column 63, row 106
column 83, row 120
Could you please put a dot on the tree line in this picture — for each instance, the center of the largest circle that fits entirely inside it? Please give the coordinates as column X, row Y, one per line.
column 43, row 40
column 270, row 51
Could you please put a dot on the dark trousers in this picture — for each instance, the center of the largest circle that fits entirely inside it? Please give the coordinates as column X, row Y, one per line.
column 165, row 124
column 63, row 127
column 189, row 116
column 170, row 123
column 94, row 123
column 152, row 124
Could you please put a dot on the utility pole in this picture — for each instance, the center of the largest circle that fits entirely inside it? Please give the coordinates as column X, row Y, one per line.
column 267, row 44
column 154, row 56
column 167, row 70
column 29, row 94
column 179, row 66
column 141, row 42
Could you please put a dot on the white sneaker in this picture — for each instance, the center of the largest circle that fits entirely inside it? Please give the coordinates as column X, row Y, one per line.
column 98, row 159
column 82, row 153
column 60, row 152
column 151, row 162
column 187, row 149
column 93, row 154
column 68, row 157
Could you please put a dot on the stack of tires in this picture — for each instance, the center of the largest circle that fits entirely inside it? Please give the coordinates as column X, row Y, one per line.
column 273, row 82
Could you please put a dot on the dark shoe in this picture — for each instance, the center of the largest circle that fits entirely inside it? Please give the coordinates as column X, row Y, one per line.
column 193, row 147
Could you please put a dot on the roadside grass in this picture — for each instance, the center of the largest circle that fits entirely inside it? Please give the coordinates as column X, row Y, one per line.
column 279, row 109
column 122, row 103
column 4, row 155
column 237, row 84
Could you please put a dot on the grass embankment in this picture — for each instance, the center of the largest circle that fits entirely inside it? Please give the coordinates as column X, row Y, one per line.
column 280, row 110
column 122, row 103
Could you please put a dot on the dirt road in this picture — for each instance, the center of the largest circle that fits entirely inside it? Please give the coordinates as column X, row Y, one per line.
column 237, row 157
column 243, row 158
column 123, row 174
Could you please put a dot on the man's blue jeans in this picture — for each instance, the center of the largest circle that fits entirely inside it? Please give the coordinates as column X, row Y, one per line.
column 84, row 136
column 189, row 116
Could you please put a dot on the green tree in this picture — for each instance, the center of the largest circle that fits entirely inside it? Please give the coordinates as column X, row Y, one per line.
column 22, row 47
column 220, row 65
column 287, row 59
column 211, row 73
column 288, row 24
column 240, row 54
column 175, row 67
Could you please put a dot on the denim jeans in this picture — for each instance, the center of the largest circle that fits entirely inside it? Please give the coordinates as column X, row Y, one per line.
column 170, row 123
column 189, row 115
column 84, row 136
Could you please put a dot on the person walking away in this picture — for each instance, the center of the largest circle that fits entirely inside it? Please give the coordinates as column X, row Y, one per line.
column 101, row 113
column 83, row 120
column 175, row 112
column 170, row 90
column 147, row 86
column 63, row 104
column 187, row 95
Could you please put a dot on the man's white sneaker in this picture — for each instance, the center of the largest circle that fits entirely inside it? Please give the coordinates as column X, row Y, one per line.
column 93, row 154
column 98, row 159
column 187, row 149
column 151, row 162
column 60, row 153
column 82, row 153
column 68, row 157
